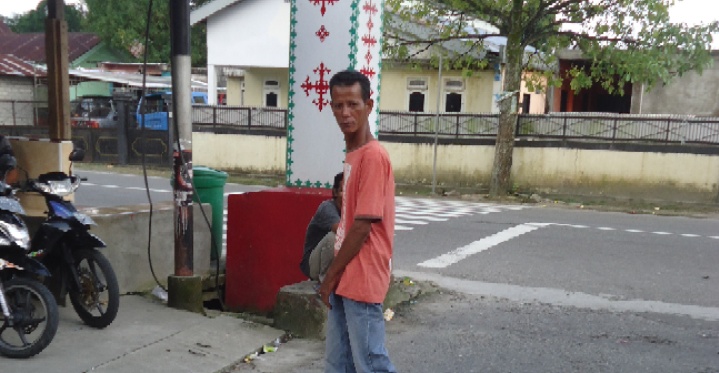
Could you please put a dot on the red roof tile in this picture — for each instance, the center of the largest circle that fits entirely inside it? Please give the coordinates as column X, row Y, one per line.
column 4, row 29
column 11, row 65
column 31, row 46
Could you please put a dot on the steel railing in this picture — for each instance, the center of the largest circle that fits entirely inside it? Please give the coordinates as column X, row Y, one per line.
column 670, row 129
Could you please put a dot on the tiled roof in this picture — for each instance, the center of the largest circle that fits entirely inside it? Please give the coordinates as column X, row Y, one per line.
column 4, row 29
column 11, row 65
column 31, row 46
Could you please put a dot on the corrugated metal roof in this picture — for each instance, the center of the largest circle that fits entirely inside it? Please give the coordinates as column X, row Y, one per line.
column 131, row 80
column 31, row 46
column 4, row 29
column 11, row 65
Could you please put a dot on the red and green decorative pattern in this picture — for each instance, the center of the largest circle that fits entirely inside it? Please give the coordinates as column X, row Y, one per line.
column 321, row 43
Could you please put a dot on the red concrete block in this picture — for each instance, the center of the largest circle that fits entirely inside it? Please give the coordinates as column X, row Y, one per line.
column 265, row 238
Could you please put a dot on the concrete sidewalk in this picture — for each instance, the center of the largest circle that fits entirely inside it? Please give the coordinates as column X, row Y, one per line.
column 147, row 337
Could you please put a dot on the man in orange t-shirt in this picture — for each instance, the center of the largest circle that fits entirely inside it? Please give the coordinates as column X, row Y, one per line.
column 357, row 281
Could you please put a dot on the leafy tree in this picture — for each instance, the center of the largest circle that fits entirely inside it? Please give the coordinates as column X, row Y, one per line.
column 122, row 23
column 624, row 41
column 34, row 20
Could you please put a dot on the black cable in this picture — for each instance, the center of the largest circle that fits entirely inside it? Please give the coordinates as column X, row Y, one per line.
column 142, row 135
column 213, row 242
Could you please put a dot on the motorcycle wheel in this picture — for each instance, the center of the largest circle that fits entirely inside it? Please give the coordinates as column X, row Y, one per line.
column 98, row 299
column 34, row 318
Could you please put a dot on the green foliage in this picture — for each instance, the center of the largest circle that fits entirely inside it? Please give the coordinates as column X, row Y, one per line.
column 122, row 24
column 625, row 41
column 34, row 20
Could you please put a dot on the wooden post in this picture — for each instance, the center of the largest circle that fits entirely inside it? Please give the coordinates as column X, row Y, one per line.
column 57, row 71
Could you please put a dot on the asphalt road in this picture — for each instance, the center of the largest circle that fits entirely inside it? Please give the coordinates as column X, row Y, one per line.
column 530, row 288
column 107, row 189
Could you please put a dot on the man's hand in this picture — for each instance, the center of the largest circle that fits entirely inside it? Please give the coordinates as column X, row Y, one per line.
column 329, row 284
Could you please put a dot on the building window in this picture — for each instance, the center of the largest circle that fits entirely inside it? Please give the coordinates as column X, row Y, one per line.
column 271, row 93
column 416, row 101
column 453, row 102
column 563, row 101
column 417, row 84
column 526, row 103
column 454, row 85
column 271, row 99
column 416, row 87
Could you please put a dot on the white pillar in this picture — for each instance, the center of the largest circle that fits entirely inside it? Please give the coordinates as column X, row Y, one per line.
column 211, row 85
column 328, row 36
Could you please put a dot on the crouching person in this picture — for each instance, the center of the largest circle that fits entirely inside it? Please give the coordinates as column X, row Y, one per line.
column 320, row 236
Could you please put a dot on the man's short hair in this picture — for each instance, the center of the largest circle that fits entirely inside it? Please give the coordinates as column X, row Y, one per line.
column 338, row 181
column 348, row 78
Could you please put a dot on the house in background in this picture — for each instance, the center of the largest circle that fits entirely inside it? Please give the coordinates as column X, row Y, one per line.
column 690, row 94
column 19, row 82
column 85, row 50
column 248, row 47
column 594, row 99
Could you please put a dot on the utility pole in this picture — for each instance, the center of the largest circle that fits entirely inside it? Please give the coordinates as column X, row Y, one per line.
column 184, row 288
column 57, row 71
column 436, row 124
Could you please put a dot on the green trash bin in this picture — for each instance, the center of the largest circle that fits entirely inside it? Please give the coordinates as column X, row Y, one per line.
column 210, row 187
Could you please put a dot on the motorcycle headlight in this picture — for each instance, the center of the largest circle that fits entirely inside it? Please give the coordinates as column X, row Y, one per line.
column 13, row 234
column 59, row 187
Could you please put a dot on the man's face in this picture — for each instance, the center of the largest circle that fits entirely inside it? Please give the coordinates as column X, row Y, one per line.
column 339, row 194
column 349, row 109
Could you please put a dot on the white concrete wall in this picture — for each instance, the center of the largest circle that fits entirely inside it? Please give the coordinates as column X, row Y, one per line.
column 16, row 89
column 689, row 94
column 250, row 33
column 239, row 152
column 562, row 170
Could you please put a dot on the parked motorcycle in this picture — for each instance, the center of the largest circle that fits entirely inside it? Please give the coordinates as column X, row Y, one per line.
column 29, row 317
column 63, row 243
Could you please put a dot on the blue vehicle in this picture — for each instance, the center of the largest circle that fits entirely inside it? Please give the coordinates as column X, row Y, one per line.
column 156, row 110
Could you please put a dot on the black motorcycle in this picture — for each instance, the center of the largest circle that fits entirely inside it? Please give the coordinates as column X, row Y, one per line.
column 63, row 243
column 29, row 317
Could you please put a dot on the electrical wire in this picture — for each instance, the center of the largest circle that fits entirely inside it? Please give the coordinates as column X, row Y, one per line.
column 213, row 241
column 142, row 135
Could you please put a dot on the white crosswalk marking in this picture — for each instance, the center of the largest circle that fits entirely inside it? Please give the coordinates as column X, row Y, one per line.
column 410, row 212
column 486, row 243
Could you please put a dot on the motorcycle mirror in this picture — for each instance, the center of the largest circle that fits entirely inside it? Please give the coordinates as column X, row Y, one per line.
column 77, row 155
column 7, row 162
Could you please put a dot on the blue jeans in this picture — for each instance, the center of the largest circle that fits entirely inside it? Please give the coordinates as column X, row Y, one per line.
column 355, row 338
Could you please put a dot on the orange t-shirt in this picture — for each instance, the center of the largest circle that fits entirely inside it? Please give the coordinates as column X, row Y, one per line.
column 368, row 193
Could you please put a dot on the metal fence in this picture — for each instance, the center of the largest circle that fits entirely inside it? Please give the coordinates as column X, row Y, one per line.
column 668, row 129
column 560, row 126
column 423, row 124
column 621, row 128
column 224, row 118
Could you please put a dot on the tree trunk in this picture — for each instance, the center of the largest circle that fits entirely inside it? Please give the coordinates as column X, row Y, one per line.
column 501, row 183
